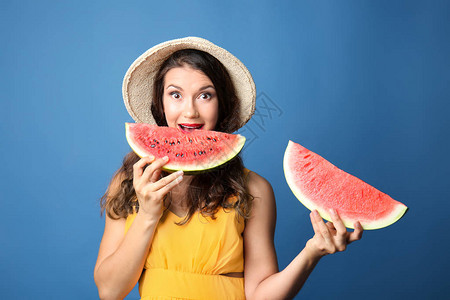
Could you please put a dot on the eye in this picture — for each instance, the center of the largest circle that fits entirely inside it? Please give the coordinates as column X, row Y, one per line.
column 175, row 95
column 205, row 96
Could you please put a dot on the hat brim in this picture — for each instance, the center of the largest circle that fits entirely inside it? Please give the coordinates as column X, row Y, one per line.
column 137, row 88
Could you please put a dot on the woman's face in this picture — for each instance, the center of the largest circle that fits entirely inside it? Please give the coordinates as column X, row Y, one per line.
column 190, row 100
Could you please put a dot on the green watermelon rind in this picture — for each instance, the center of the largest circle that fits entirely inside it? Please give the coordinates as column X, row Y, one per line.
column 399, row 210
column 173, row 166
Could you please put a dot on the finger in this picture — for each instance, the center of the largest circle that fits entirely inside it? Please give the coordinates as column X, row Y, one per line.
column 314, row 223
column 167, row 180
column 156, row 175
column 168, row 187
column 138, row 168
column 338, row 224
column 323, row 229
column 331, row 227
column 157, row 164
column 356, row 234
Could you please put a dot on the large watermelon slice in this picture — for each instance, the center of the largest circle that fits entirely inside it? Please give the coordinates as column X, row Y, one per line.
column 318, row 184
column 194, row 151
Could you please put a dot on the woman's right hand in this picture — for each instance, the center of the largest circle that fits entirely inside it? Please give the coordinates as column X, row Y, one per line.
column 150, row 188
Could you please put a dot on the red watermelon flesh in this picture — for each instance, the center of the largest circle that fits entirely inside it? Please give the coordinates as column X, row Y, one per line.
column 318, row 184
column 194, row 151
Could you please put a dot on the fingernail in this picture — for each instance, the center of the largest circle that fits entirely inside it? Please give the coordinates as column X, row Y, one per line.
column 316, row 213
column 151, row 157
column 166, row 158
column 180, row 173
column 179, row 178
column 333, row 211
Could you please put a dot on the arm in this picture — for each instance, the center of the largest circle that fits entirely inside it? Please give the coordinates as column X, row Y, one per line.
column 121, row 258
column 262, row 279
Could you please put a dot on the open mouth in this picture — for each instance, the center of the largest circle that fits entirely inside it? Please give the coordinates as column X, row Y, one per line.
column 190, row 127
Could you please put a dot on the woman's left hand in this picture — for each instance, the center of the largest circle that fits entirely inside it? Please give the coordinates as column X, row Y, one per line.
column 331, row 237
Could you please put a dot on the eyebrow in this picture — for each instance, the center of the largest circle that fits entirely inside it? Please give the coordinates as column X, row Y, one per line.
column 201, row 89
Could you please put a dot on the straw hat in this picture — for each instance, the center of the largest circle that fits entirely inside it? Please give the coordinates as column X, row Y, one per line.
column 137, row 86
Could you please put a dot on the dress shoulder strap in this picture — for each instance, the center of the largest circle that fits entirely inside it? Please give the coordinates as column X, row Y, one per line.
column 246, row 172
column 129, row 221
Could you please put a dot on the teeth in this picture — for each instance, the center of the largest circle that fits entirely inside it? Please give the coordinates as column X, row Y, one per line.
column 190, row 127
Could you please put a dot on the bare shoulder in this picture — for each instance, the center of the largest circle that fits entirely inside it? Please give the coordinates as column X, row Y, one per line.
column 263, row 208
column 262, row 191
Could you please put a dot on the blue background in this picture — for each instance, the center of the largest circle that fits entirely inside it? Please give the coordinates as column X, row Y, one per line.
column 365, row 84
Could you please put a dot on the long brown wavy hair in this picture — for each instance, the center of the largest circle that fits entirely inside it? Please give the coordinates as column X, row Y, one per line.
column 208, row 192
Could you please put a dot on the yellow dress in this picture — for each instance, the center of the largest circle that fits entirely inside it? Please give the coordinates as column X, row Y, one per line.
column 185, row 261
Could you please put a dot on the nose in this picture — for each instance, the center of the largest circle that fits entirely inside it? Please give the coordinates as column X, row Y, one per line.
column 190, row 110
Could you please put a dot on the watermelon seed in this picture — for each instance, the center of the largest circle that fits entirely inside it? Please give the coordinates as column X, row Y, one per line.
column 178, row 154
column 307, row 165
column 307, row 156
column 208, row 138
column 178, row 142
column 310, row 170
column 190, row 141
column 153, row 145
column 214, row 140
column 195, row 153
column 200, row 152
column 182, row 154
column 165, row 141
column 210, row 149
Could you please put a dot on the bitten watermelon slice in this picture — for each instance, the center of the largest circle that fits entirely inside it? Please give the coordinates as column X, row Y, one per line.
column 318, row 184
column 194, row 151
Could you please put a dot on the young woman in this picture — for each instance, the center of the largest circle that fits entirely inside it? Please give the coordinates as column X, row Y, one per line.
column 206, row 236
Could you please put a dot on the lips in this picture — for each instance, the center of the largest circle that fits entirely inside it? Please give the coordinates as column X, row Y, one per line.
column 188, row 127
